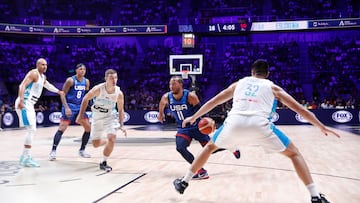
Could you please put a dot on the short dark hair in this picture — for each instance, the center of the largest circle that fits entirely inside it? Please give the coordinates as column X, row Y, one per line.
column 79, row 65
column 260, row 67
column 178, row 78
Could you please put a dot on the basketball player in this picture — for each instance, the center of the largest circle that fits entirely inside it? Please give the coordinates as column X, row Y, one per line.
column 30, row 90
column 182, row 104
column 105, row 118
column 74, row 89
column 254, row 100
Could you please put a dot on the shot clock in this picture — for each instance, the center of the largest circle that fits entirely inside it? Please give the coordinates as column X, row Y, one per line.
column 188, row 40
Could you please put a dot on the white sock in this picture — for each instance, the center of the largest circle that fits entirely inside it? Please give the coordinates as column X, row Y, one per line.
column 26, row 152
column 188, row 176
column 313, row 190
column 104, row 158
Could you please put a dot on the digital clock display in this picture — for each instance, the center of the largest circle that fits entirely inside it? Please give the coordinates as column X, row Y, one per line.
column 188, row 40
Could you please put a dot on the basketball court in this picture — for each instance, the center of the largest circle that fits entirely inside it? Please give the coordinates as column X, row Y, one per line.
column 146, row 162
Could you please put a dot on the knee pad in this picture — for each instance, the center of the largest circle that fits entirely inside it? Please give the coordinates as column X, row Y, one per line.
column 30, row 132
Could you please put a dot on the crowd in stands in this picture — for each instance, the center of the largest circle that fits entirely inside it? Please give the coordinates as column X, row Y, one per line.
column 92, row 12
column 334, row 70
column 331, row 67
column 130, row 12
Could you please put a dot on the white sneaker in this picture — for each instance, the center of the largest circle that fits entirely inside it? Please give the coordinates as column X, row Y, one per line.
column 83, row 154
column 52, row 156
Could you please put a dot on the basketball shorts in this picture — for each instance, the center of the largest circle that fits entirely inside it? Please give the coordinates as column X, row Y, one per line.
column 239, row 130
column 103, row 123
column 27, row 115
column 74, row 113
column 193, row 133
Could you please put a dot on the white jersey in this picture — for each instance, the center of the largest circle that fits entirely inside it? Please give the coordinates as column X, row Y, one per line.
column 249, row 119
column 27, row 115
column 105, row 103
column 34, row 89
column 253, row 96
column 104, row 114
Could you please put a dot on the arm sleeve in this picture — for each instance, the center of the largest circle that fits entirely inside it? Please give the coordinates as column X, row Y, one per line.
column 51, row 87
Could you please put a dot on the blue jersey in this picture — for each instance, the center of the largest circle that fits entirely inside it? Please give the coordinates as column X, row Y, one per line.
column 181, row 109
column 76, row 93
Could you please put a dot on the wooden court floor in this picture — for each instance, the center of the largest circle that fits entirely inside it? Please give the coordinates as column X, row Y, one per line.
column 146, row 162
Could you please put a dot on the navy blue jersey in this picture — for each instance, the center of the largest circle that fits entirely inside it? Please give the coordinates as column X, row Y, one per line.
column 181, row 109
column 76, row 93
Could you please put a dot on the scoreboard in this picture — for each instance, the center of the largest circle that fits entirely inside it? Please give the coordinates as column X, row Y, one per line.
column 188, row 41
column 123, row 30
column 213, row 28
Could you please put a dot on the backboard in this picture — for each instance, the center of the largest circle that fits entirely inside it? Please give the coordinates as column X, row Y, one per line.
column 191, row 62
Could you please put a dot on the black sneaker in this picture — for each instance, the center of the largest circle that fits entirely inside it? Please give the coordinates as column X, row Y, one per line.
column 105, row 167
column 180, row 185
column 320, row 199
column 237, row 154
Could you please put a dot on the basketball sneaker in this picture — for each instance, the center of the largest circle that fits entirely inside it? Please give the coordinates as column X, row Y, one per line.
column 105, row 167
column 29, row 162
column 22, row 158
column 52, row 155
column 237, row 153
column 201, row 174
column 83, row 154
column 180, row 185
column 320, row 199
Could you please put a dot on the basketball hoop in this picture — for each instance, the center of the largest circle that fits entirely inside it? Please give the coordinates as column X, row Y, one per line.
column 185, row 74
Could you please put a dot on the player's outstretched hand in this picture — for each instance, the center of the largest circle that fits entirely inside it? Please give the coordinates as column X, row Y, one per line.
column 326, row 132
column 187, row 120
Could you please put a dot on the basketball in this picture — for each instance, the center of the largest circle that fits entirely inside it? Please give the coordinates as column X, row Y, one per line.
column 206, row 125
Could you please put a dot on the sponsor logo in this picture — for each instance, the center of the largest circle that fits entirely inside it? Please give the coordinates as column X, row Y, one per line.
column 274, row 117
column 178, row 107
column 55, row 117
column 126, row 117
column 300, row 119
column 40, row 117
column 151, row 116
column 342, row 116
column 8, row 119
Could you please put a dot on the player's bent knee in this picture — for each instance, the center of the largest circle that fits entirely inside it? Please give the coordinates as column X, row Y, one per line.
column 291, row 151
column 210, row 146
column 96, row 143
